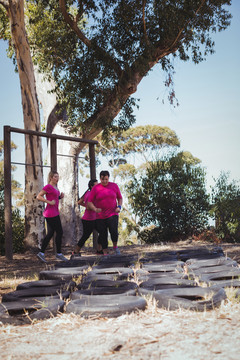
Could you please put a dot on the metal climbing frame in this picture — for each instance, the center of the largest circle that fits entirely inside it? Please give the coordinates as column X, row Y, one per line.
column 7, row 172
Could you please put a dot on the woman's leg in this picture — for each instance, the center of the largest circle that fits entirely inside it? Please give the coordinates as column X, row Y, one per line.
column 88, row 227
column 112, row 223
column 102, row 230
column 59, row 233
column 50, row 232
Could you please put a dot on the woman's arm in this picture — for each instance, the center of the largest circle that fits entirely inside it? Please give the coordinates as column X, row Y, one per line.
column 81, row 202
column 91, row 206
column 41, row 197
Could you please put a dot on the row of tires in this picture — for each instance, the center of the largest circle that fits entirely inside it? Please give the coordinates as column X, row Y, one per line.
column 109, row 290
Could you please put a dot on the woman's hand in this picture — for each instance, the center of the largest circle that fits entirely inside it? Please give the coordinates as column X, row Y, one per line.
column 52, row 202
column 61, row 195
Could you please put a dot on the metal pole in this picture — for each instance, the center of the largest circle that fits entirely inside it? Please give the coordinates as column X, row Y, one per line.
column 53, row 154
column 93, row 176
column 92, row 161
column 7, row 194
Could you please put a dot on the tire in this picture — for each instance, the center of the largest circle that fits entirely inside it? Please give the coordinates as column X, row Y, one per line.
column 33, row 293
column 200, row 254
column 121, row 272
column 124, row 290
column 169, row 256
column 193, row 298
column 162, row 267
column 161, row 275
column 63, row 273
column 106, row 305
column 231, row 274
column 118, row 261
column 79, row 262
column 38, row 310
column 166, row 282
column 211, row 270
column 46, row 283
column 118, row 284
column 196, row 264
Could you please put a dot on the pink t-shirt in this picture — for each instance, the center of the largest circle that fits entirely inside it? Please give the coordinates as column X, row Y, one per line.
column 51, row 194
column 88, row 214
column 105, row 198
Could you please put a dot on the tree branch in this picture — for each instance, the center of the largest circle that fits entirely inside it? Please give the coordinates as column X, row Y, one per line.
column 73, row 23
column 74, row 26
column 188, row 22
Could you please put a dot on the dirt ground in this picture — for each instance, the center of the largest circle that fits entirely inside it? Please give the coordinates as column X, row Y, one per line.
column 151, row 334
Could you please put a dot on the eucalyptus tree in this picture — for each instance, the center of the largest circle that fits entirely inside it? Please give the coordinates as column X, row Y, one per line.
column 13, row 10
column 110, row 46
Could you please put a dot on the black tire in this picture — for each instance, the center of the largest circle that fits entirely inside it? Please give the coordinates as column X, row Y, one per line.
column 164, row 266
column 196, row 264
column 124, row 290
column 165, row 282
column 121, row 272
column 106, row 305
column 118, row 261
column 36, row 309
column 63, row 273
column 193, row 298
column 108, row 283
column 200, row 254
column 46, row 283
column 211, row 270
column 79, row 262
column 163, row 256
column 231, row 274
column 33, row 293
column 160, row 275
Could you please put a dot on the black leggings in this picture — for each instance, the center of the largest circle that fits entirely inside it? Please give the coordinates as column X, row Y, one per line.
column 103, row 225
column 88, row 227
column 53, row 225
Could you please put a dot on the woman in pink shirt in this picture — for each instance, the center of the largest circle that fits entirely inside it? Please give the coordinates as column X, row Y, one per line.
column 51, row 195
column 88, row 219
column 106, row 200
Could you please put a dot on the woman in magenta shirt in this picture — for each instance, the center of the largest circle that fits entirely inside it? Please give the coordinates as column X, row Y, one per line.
column 51, row 195
column 88, row 219
column 106, row 200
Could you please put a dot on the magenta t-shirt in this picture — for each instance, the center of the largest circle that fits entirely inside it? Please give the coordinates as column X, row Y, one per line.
column 88, row 214
column 51, row 194
column 105, row 198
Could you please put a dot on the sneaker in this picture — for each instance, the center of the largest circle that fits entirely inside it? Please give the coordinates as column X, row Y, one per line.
column 61, row 257
column 75, row 256
column 99, row 252
column 41, row 257
column 117, row 251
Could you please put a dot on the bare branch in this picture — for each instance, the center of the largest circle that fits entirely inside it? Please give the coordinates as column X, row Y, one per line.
column 74, row 26
column 73, row 23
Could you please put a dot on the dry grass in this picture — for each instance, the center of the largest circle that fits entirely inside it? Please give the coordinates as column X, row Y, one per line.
column 148, row 335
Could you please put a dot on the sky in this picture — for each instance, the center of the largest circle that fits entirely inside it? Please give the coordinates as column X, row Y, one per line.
column 207, row 121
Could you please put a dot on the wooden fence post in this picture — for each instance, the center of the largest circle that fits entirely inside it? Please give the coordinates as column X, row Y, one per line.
column 8, row 194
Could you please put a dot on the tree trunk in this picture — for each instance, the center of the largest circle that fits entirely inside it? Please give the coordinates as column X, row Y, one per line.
column 67, row 163
column 34, row 224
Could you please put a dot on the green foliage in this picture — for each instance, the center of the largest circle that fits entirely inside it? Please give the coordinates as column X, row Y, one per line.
column 172, row 196
column 98, row 61
column 225, row 199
